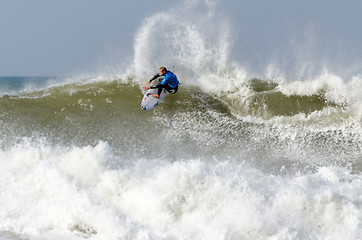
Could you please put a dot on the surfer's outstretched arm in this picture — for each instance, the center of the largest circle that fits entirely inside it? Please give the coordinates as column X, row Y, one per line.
column 154, row 77
column 149, row 82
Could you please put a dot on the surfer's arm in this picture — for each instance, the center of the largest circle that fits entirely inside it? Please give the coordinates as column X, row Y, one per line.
column 154, row 77
column 149, row 82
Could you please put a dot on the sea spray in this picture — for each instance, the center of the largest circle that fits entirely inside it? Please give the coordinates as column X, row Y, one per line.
column 191, row 39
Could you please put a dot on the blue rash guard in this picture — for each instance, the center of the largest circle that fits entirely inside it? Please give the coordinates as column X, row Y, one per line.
column 170, row 82
column 170, row 79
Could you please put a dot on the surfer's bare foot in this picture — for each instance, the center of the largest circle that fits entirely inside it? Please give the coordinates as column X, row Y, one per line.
column 146, row 88
column 155, row 95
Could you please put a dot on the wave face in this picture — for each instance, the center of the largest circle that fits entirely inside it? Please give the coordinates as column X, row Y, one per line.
column 82, row 160
column 233, row 155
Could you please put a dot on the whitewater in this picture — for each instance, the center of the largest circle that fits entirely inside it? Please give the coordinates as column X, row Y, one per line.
column 235, row 154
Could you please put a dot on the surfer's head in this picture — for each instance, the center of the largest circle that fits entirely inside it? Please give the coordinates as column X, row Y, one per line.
column 162, row 71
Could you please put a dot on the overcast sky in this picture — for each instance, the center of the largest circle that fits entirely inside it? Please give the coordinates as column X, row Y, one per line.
column 51, row 37
column 60, row 37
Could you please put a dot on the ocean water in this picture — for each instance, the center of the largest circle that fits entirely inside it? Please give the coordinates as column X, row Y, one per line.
column 233, row 155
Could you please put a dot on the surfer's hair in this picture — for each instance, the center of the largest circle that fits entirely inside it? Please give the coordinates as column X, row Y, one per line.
column 163, row 69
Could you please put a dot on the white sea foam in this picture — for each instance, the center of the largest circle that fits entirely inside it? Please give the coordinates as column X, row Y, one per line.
column 54, row 192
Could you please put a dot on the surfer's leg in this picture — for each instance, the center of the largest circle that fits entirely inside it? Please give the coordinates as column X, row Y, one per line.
column 174, row 90
column 159, row 87
column 170, row 89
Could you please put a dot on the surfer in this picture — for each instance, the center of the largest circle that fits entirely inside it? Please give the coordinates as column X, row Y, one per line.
column 170, row 82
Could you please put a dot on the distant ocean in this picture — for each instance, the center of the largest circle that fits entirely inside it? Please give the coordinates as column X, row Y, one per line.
column 232, row 155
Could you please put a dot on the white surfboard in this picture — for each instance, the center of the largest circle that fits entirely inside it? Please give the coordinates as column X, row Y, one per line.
column 149, row 102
